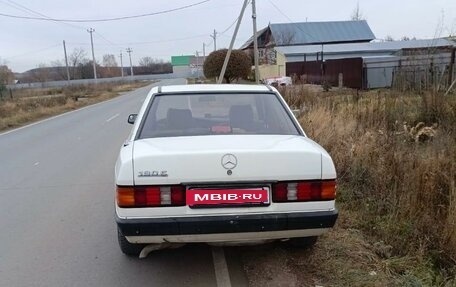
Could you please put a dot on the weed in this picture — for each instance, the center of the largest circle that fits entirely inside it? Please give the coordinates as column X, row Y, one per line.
column 402, row 189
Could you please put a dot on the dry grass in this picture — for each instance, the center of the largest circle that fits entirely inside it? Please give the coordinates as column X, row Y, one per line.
column 402, row 192
column 342, row 257
column 29, row 105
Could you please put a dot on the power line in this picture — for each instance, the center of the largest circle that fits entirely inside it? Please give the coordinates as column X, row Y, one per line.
column 291, row 21
column 165, row 41
column 280, row 11
column 106, row 40
column 106, row 19
column 33, row 52
column 30, row 11
column 229, row 27
column 110, row 43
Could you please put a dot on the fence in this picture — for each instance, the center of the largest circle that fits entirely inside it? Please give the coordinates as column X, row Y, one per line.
column 416, row 71
column 54, row 84
column 318, row 72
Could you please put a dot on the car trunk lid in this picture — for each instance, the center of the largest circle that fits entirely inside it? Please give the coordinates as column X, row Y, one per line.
column 225, row 159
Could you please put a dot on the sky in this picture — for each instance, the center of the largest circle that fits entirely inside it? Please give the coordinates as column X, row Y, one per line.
column 25, row 44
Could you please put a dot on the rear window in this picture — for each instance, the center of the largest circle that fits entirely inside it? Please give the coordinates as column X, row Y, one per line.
column 206, row 114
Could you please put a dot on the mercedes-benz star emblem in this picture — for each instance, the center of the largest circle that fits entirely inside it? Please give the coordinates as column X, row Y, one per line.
column 229, row 161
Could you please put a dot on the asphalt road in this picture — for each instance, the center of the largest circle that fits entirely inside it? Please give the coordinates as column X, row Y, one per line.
column 57, row 207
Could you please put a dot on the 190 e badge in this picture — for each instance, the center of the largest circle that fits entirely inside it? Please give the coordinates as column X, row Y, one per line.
column 153, row 173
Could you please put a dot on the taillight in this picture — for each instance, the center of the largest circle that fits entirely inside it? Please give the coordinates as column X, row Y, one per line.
column 304, row 191
column 150, row 196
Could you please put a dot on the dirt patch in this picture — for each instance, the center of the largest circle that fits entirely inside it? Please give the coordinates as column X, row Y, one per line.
column 342, row 257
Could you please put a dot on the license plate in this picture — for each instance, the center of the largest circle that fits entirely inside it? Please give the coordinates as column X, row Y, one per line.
column 211, row 197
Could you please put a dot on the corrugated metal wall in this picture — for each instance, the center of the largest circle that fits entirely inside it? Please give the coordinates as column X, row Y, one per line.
column 316, row 72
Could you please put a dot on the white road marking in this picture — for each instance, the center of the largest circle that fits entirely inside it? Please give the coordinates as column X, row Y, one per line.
column 222, row 274
column 113, row 117
column 61, row 115
column 36, row 163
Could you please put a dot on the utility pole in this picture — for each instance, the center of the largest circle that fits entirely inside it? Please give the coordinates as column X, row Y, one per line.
column 197, row 64
column 66, row 61
column 90, row 30
column 255, row 43
column 121, row 65
column 214, row 36
column 204, row 50
column 129, row 50
column 228, row 54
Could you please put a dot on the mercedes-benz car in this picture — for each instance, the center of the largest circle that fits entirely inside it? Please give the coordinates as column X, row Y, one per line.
column 221, row 164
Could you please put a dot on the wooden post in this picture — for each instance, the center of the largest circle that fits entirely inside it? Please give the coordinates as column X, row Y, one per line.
column 341, row 80
column 451, row 67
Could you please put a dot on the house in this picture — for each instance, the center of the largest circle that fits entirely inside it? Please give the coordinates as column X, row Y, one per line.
column 306, row 33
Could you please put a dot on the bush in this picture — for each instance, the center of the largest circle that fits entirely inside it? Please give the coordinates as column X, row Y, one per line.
column 239, row 65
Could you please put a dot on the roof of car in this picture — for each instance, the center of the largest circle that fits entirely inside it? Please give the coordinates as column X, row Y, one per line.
column 212, row 88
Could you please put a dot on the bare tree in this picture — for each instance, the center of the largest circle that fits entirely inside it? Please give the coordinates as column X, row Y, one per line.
column 109, row 68
column 41, row 73
column 357, row 15
column 6, row 75
column 389, row 38
column 59, row 69
column 147, row 62
column 77, row 59
column 285, row 38
column 109, row 60
column 149, row 65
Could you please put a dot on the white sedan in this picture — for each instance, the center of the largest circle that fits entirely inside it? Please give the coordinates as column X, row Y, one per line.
column 221, row 164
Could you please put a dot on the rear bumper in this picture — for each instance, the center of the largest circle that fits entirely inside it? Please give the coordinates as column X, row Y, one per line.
column 267, row 224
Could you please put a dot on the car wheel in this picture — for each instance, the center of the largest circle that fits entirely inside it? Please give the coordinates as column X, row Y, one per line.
column 128, row 248
column 303, row 242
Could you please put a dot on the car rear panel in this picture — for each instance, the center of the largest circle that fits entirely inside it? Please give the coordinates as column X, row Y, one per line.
column 196, row 162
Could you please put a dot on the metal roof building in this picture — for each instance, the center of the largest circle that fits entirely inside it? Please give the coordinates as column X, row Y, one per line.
column 353, row 50
column 313, row 33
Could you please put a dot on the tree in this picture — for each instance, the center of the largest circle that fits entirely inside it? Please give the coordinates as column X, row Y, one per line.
column 110, row 67
column 109, row 60
column 77, row 59
column 357, row 15
column 285, row 38
column 59, row 68
column 389, row 38
column 239, row 65
column 41, row 73
column 147, row 62
column 6, row 75
column 149, row 65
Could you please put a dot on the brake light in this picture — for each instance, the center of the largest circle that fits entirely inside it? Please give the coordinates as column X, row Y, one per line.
column 304, row 191
column 150, row 196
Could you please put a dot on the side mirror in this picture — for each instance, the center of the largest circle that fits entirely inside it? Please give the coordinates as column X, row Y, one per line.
column 132, row 118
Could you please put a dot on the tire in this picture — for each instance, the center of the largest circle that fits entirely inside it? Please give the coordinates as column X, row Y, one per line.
column 303, row 242
column 128, row 248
